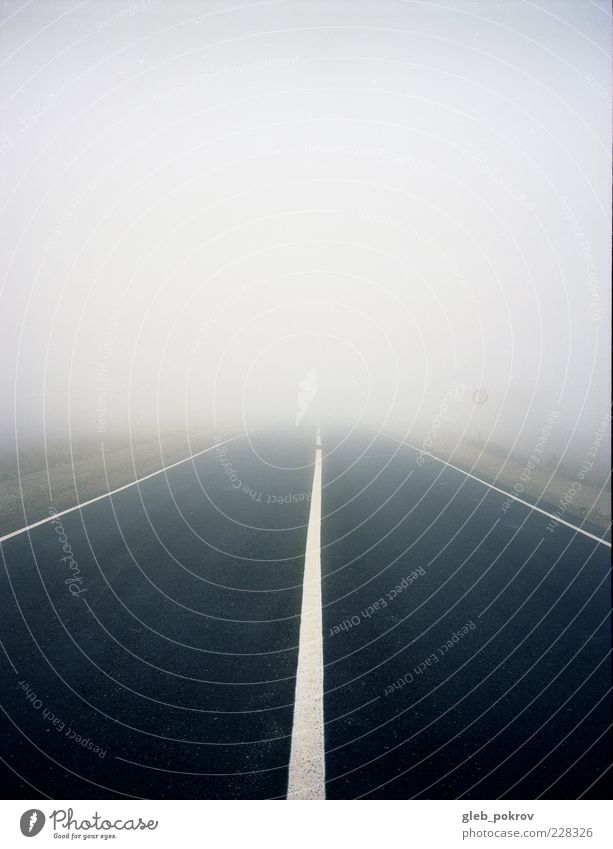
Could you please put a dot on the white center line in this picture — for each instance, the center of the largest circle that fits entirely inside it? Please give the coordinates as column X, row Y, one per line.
column 114, row 491
column 307, row 770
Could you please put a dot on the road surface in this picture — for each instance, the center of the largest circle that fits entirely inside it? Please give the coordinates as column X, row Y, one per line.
column 151, row 639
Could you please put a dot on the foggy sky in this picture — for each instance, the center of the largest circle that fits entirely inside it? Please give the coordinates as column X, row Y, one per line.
column 205, row 203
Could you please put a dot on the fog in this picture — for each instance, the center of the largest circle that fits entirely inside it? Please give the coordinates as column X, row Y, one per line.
column 357, row 214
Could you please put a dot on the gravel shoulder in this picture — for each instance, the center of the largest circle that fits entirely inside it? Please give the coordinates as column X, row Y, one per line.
column 27, row 498
column 585, row 500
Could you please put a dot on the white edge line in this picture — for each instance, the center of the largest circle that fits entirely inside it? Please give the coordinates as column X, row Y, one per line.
column 504, row 492
column 114, row 491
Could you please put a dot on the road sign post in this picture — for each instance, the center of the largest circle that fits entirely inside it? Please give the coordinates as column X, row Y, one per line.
column 480, row 397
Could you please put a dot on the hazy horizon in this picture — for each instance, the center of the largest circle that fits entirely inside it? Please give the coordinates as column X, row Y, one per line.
column 204, row 210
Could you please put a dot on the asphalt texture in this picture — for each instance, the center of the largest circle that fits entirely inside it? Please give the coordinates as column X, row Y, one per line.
column 466, row 648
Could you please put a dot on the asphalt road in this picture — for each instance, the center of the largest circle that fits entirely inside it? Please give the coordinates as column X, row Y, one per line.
column 178, row 659
column 466, row 649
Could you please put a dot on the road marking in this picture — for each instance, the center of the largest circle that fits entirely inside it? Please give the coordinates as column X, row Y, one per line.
column 307, row 770
column 114, row 491
column 504, row 492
